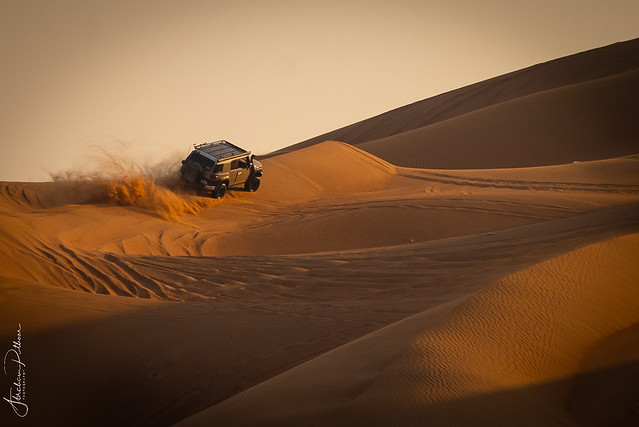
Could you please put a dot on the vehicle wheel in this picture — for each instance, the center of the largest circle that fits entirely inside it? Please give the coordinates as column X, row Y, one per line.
column 255, row 184
column 221, row 191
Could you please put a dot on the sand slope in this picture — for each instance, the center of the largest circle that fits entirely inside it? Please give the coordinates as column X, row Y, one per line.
column 582, row 67
column 226, row 301
column 504, row 354
column 85, row 246
column 349, row 289
column 599, row 115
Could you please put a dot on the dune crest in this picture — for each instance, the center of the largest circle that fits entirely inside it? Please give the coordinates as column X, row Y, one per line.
column 582, row 67
column 588, row 121
column 325, row 169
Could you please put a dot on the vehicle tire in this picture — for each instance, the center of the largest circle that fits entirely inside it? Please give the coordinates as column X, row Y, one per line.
column 220, row 191
column 255, row 184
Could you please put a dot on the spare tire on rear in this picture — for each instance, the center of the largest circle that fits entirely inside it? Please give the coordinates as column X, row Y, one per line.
column 191, row 171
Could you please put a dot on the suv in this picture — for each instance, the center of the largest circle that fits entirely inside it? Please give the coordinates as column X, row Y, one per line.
column 213, row 167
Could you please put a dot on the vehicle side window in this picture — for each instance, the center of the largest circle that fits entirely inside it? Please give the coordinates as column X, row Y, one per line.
column 244, row 163
column 218, row 168
column 235, row 164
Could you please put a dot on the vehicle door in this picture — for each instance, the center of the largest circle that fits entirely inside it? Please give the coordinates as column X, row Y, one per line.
column 239, row 171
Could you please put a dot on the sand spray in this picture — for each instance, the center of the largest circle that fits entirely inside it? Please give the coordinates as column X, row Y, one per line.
column 109, row 177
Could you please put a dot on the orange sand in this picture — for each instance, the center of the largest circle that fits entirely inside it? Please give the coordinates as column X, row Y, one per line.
column 497, row 286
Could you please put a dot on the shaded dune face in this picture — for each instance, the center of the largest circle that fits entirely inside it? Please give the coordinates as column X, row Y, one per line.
column 583, row 67
column 471, row 262
column 599, row 116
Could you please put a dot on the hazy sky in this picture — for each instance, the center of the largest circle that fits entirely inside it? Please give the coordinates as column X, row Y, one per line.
column 162, row 75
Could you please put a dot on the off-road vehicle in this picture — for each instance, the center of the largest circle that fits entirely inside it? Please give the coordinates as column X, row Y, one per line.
column 214, row 167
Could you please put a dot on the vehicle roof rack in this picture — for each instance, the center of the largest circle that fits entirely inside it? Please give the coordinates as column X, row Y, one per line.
column 221, row 149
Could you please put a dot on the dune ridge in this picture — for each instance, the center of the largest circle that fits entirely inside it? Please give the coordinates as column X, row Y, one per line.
column 582, row 67
column 600, row 114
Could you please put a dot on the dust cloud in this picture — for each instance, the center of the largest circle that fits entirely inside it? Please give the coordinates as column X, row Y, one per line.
column 116, row 178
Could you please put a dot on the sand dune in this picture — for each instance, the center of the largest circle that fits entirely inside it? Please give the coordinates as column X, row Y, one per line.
column 582, row 67
column 460, row 230
column 505, row 353
column 599, row 114
column 496, row 286
column 385, row 206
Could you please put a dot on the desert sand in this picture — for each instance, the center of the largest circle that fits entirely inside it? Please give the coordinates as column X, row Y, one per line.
column 478, row 269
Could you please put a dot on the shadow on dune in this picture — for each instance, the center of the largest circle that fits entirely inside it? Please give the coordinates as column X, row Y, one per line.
column 132, row 362
column 603, row 397
column 156, row 364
